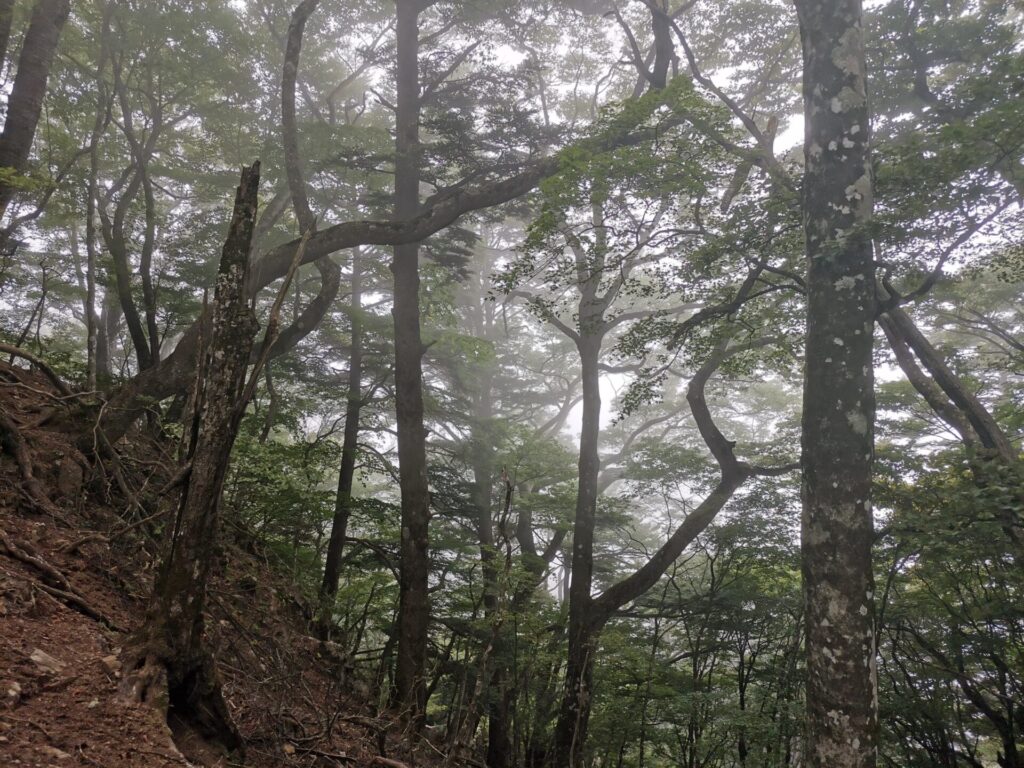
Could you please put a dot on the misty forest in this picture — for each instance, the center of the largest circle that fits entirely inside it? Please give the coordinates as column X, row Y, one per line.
column 555, row 384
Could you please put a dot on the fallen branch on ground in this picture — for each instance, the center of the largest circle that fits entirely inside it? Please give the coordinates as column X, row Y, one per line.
column 60, row 586
column 56, row 380
column 387, row 761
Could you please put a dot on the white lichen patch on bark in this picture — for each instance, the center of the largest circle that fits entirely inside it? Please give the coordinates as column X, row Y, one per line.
column 847, row 282
column 848, row 55
column 858, row 422
column 860, row 189
column 846, row 100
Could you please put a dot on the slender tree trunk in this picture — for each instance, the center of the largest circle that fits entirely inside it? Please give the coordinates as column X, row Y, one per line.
column 149, row 301
column 838, row 411
column 106, row 336
column 571, row 729
column 414, row 598
column 346, row 474
column 91, row 319
column 99, row 124
column 927, row 388
column 290, row 134
column 585, row 628
column 304, row 214
column 499, row 745
column 116, row 244
column 166, row 660
column 25, row 103
column 901, row 328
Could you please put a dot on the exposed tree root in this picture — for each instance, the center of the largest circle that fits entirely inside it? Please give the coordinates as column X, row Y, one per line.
column 59, row 585
column 12, row 441
column 56, row 380
column 190, row 690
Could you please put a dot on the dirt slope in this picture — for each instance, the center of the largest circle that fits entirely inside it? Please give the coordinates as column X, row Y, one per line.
column 71, row 588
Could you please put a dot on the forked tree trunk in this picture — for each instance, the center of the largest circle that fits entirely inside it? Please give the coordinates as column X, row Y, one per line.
column 838, row 404
column 585, row 628
column 902, row 331
column 167, row 663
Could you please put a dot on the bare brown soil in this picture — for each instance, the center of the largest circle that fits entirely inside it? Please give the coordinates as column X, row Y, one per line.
column 72, row 588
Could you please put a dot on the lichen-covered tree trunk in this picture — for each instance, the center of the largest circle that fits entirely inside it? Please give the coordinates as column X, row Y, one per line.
column 167, row 663
column 838, row 411
column 25, row 103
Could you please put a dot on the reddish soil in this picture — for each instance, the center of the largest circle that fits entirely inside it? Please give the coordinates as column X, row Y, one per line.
column 292, row 698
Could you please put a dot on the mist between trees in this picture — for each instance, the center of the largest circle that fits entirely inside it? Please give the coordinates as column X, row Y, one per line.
column 538, row 353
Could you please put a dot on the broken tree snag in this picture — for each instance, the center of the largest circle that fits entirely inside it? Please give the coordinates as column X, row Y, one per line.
column 167, row 664
column 838, row 400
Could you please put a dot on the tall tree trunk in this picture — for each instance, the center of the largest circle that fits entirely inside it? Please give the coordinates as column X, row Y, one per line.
column 838, row 409
column 414, row 599
column 166, row 659
column 145, row 339
column 25, row 103
column 149, row 299
column 328, row 271
column 289, row 128
column 571, row 729
column 350, row 441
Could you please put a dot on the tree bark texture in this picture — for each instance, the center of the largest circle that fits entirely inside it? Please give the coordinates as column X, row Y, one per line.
column 838, row 410
column 25, row 103
column 414, row 598
column 169, row 650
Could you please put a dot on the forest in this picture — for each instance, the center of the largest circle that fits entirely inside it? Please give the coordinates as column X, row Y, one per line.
column 547, row 384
